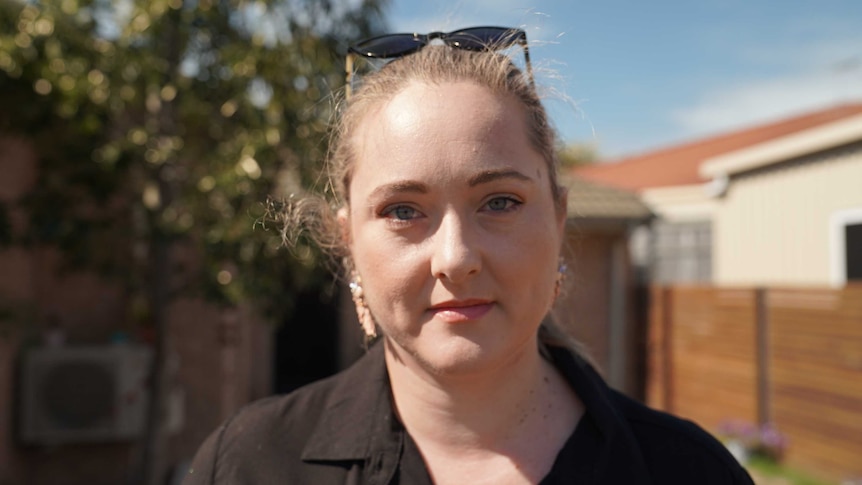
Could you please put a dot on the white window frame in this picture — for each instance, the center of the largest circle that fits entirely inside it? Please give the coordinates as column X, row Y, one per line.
column 837, row 246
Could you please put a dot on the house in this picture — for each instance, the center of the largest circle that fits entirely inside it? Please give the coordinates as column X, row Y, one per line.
column 775, row 204
column 764, row 219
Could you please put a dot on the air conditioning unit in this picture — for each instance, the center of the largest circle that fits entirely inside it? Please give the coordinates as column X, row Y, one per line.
column 83, row 394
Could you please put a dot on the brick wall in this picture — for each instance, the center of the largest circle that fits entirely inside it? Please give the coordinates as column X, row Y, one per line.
column 220, row 359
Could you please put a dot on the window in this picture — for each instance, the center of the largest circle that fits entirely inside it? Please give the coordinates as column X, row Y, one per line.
column 846, row 246
column 853, row 250
column 683, row 252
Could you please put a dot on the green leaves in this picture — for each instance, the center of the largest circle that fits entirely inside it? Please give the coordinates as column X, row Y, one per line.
column 174, row 121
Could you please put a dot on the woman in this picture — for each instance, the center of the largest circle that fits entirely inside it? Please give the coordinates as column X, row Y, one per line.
column 451, row 226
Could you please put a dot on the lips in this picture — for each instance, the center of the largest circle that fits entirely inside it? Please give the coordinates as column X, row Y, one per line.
column 458, row 311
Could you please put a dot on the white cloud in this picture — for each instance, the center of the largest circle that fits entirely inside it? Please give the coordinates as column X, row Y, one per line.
column 730, row 107
column 820, row 65
column 819, row 53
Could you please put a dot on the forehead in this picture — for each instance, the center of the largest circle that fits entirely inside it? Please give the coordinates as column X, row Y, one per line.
column 442, row 127
column 459, row 109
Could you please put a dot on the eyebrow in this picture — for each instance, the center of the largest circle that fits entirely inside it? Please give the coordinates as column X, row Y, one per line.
column 420, row 188
column 397, row 188
column 492, row 175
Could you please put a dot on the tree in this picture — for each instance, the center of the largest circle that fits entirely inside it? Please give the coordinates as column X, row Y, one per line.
column 161, row 128
column 577, row 154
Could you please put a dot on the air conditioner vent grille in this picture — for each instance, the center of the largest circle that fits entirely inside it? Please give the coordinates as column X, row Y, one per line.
column 83, row 394
column 79, row 395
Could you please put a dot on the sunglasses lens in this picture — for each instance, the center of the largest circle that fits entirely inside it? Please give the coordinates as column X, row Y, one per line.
column 483, row 38
column 389, row 46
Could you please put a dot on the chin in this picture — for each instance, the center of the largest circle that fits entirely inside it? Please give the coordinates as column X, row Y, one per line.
column 456, row 356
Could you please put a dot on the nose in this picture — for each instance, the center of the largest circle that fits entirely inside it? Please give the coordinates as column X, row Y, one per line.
column 456, row 255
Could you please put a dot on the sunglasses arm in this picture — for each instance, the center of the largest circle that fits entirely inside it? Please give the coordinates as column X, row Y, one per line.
column 348, row 68
column 529, row 65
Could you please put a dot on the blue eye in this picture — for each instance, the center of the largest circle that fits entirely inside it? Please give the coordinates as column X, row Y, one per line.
column 502, row 204
column 401, row 213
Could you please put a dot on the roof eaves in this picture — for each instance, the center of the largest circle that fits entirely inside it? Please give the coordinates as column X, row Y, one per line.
column 682, row 164
column 784, row 148
column 589, row 200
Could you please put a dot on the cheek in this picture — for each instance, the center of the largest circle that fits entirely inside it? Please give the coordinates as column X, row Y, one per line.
column 536, row 240
column 532, row 257
column 534, row 267
column 391, row 274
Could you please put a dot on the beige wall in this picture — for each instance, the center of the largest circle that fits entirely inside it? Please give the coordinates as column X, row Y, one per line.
column 684, row 203
column 773, row 224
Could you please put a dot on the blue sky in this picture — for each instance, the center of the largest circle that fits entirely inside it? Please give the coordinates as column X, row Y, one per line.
column 631, row 76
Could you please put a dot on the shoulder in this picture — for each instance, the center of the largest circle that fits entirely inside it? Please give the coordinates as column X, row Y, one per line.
column 279, row 439
column 265, row 435
column 676, row 450
column 645, row 445
column 280, row 421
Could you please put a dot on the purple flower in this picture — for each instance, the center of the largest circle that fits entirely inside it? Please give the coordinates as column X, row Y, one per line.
column 764, row 440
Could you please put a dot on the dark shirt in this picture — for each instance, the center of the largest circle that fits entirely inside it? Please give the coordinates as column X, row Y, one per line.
column 342, row 430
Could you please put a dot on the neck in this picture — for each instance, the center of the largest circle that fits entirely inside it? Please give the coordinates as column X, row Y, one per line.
column 483, row 409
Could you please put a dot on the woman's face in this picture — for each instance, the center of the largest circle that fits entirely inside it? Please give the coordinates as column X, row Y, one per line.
column 452, row 227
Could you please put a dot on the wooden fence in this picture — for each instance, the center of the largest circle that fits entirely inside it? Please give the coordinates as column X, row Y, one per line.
column 790, row 357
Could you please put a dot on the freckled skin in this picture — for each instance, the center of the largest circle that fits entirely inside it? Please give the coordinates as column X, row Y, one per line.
column 425, row 227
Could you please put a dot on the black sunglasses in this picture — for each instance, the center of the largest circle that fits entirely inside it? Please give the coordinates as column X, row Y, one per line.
column 391, row 46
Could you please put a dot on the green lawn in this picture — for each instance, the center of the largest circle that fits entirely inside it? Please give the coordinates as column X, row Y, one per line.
column 770, row 469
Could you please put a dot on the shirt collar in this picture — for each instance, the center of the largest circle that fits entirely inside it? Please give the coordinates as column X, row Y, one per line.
column 359, row 413
column 618, row 444
column 358, row 422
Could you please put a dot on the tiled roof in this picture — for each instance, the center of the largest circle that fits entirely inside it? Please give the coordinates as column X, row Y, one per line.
column 588, row 200
column 678, row 165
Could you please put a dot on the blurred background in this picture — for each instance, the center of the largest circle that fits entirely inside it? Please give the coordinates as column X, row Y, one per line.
column 713, row 154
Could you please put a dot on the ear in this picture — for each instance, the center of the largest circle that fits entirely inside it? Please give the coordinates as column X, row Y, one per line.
column 562, row 211
column 343, row 216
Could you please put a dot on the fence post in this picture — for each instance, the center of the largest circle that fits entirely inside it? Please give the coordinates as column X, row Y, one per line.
column 761, row 299
column 666, row 296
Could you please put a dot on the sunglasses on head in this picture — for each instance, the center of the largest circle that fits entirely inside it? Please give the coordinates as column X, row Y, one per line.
column 392, row 46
